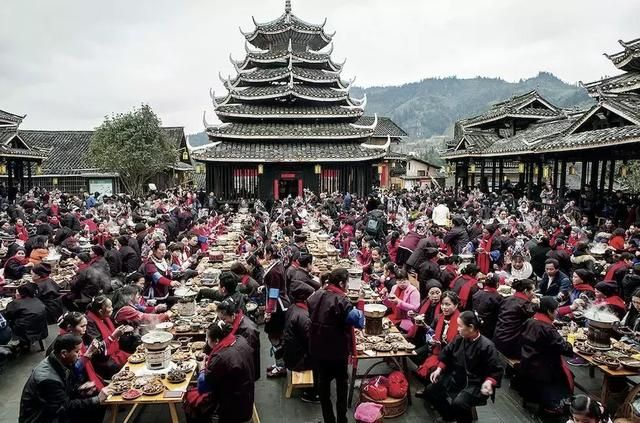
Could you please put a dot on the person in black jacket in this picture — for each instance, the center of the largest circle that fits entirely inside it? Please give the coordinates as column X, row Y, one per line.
column 545, row 377
column 486, row 302
column 428, row 269
column 457, row 237
column 296, row 335
column 51, row 394
column 48, row 291
column 27, row 316
column 467, row 374
column 301, row 271
column 227, row 310
column 112, row 257
column 332, row 316
column 129, row 259
column 514, row 312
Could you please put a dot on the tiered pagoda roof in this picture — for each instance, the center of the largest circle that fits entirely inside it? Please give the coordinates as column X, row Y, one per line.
column 288, row 90
column 629, row 58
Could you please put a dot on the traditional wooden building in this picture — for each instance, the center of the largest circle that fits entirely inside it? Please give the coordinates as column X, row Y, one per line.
column 404, row 171
column 59, row 160
column 289, row 122
column 546, row 143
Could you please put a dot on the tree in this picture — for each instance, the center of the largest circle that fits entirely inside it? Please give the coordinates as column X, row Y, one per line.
column 134, row 145
column 630, row 178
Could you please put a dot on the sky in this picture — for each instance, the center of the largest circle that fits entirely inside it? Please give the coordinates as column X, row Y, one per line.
column 68, row 63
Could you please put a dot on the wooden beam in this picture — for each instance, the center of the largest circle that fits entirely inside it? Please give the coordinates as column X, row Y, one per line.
column 501, row 177
column 563, row 177
column 612, row 171
column 493, row 175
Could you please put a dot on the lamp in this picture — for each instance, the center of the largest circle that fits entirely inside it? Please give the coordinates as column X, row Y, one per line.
column 520, row 167
column 545, row 171
column 54, row 181
column 260, row 169
column 472, row 168
column 317, row 169
column 185, row 155
column 535, row 171
column 380, row 169
column 3, row 169
column 198, row 168
column 38, row 169
column 572, row 169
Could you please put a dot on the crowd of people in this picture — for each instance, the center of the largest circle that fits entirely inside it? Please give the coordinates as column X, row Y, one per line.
column 467, row 277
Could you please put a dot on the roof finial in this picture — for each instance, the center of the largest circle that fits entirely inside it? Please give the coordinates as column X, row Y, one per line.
column 287, row 6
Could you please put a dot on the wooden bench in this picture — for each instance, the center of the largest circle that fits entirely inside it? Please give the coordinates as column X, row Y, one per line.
column 511, row 363
column 298, row 380
column 255, row 418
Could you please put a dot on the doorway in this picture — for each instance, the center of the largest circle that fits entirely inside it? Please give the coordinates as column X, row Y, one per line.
column 287, row 187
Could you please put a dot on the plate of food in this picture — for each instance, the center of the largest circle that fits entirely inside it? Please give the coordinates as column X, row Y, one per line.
column 630, row 363
column 120, row 386
column 140, row 382
column 176, row 376
column 137, row 358
column 408, row 346
column 375, row 339
column 131, row 394
column 181, row 356
column 153, row 388
column 182, row 328
column 382, row 347
column 186, row 366
column 600, row 358
column 585, row 349
column 124, row 374
column 197, row 345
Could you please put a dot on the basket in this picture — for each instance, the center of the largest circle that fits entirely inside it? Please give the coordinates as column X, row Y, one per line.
column 391, row 407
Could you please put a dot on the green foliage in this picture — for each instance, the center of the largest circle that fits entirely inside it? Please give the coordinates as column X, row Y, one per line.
column 432, row 106
column 631, row 181
column 133, row 145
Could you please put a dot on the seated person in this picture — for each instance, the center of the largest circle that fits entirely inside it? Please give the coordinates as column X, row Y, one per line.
column 486, row 303
column 467, row 373
column 100, row 327
column 228, row 285
column 48, row 291
column 402, row 298
column 27, row 316
column 17, row 265
column 607, row 296
column 632, row 318
column 52, row 394
column 247, row 285
column 544, row 375
column 243, row 326
column 585, row 410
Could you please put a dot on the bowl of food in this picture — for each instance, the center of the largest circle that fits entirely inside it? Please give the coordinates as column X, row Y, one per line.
column 164, row 326
column 612, row 363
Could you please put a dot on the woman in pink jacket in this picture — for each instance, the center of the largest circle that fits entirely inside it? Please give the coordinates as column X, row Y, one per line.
column 403, row 298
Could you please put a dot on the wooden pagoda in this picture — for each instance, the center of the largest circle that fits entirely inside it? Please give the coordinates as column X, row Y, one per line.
column 289, row 122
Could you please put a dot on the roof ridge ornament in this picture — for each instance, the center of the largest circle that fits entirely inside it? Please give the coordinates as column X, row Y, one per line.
column 204, row 120
column 623, row 44
column 287, row 6
column 245, row 34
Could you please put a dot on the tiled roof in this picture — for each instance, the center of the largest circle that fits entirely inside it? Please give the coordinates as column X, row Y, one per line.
column 288, row 130
column 7, row 134
column 287, row 152
column 283, row 73
column 67, row 151
column 629, row 58
column 384, row 127
column 534, row 136
column 262, row 111
column 514, row 107
column 626, row 105
column 298, row 90
column 593, row 139
column 283, row 56
column 616, row 84
column 283, row 29
column 10, row 117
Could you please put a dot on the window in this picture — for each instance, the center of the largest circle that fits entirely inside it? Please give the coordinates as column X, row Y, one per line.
column 422, row 173
column 329, row 180
column 245, row 182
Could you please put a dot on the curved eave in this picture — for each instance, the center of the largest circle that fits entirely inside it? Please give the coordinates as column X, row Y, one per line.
column 284, row 58
column 293, row 93
column 211, row 132
column 502, row 116
column 289, row 116
column 283, row 77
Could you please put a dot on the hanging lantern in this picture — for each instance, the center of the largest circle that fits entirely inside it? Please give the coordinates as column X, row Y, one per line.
column 260, row 169
column 38, row 169
column 624, row 169
column 185, row 155
column 535, row 170
column 520, row 167
column 317, row 169
column 380, row 169
column 198, row 168
column 472, row 168
column 54, row 181
column 175, row 175
column 3, row 169
column 572, row 169
column 546, row 171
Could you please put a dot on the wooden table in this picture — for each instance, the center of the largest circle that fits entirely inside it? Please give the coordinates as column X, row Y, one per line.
column 399, row 358
column 116, row 400
column 607, row 374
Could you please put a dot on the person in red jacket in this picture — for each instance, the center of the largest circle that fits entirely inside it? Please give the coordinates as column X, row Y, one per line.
column 157, row 273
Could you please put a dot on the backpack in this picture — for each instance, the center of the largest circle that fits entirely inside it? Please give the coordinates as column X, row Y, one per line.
column 374, row 226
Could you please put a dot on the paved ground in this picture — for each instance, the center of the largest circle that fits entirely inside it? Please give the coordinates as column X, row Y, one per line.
column 271, row 404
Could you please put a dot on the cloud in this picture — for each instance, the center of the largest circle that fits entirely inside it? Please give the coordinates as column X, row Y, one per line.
column 68, row 63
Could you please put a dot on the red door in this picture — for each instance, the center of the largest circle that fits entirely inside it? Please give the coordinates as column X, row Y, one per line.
column 300, row 188
column 276, row 189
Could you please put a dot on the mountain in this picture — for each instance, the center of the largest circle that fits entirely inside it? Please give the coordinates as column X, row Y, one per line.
column 431, row 106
